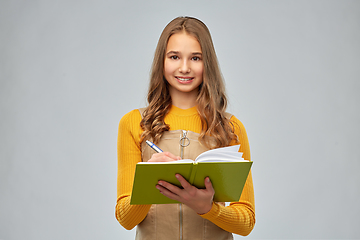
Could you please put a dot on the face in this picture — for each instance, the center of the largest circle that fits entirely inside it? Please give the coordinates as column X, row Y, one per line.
column 183, row 65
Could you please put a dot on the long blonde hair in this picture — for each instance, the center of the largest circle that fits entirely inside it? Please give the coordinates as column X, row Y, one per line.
column 211, row 100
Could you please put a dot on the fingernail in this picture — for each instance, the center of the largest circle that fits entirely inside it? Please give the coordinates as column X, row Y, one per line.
column 160, row 183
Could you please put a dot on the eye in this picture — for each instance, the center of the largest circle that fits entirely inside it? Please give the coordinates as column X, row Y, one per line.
column 174, row 57
column 196, row 58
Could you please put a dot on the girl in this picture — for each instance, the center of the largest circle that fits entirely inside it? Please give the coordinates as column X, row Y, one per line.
column 185, row 116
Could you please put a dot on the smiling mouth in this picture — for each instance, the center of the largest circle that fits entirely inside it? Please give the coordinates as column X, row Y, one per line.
column 184, row 79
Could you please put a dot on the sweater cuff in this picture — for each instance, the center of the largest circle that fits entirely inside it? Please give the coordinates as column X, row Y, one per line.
column 213, row 213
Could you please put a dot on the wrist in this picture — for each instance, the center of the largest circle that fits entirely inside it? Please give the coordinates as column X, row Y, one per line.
column 206, row 209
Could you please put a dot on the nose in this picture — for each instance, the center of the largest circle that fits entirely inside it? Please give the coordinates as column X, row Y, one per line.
column 184, row 66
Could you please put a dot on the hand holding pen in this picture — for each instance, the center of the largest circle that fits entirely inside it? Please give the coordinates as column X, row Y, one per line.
column 161, row 156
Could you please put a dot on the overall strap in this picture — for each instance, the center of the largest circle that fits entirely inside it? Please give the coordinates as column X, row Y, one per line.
column 142, row 110
column 228, row 115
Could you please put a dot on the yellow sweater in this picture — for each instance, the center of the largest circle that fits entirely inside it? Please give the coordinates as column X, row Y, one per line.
column 237, row 218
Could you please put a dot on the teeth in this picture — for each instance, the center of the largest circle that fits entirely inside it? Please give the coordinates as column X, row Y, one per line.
column 183, row 79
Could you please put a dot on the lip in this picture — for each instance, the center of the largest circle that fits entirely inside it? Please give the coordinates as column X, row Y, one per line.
column 184, row 80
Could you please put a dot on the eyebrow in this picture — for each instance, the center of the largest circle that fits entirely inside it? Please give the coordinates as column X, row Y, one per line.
column 177, row 52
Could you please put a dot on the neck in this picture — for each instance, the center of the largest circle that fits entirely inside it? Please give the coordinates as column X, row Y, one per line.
column 184, row 100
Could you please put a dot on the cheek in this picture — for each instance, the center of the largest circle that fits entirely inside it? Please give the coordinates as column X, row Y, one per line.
column 200, row 70
column 168, row 68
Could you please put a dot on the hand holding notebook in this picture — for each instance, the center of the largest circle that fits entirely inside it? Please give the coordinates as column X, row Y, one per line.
column 225, row 167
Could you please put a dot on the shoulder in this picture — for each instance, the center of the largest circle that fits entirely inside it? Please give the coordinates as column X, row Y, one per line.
column 234, row 119
column 131, row 118
column 238, row 126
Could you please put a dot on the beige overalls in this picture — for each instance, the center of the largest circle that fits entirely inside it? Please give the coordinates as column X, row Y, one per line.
column 177, row 221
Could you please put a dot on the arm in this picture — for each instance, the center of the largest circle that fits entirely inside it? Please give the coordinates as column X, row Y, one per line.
column 239, row 217
column 129, row 153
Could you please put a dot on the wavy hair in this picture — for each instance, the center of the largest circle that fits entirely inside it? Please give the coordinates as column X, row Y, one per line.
column 211, row 100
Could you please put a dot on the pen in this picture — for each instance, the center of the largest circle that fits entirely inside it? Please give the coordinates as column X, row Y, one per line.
column 153, row 146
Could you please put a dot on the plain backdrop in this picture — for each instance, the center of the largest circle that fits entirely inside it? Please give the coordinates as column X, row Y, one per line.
column 69, row 70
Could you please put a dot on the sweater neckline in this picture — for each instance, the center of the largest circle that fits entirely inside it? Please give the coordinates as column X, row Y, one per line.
column 183, row 112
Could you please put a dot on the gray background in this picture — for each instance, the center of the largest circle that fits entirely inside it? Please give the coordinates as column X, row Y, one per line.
column 69, row 70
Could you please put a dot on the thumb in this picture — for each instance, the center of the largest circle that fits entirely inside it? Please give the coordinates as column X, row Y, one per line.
column 208, row 185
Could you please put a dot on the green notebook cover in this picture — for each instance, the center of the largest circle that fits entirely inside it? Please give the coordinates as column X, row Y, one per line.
column 227, row 177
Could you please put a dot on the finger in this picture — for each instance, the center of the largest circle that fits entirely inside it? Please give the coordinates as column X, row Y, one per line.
column 166, row 156
column 167, row 193
column 169, row 154
column 172, row 188
column 163, row 157
column 208, row 185
column 185, row 184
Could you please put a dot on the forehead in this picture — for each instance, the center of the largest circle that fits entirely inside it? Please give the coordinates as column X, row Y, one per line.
column 183, row 42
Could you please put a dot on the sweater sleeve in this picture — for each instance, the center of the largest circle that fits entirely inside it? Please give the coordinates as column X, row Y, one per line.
column 129, row 153
column 239, row 217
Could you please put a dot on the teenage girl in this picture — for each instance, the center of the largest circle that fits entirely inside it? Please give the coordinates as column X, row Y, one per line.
column 185, row 116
